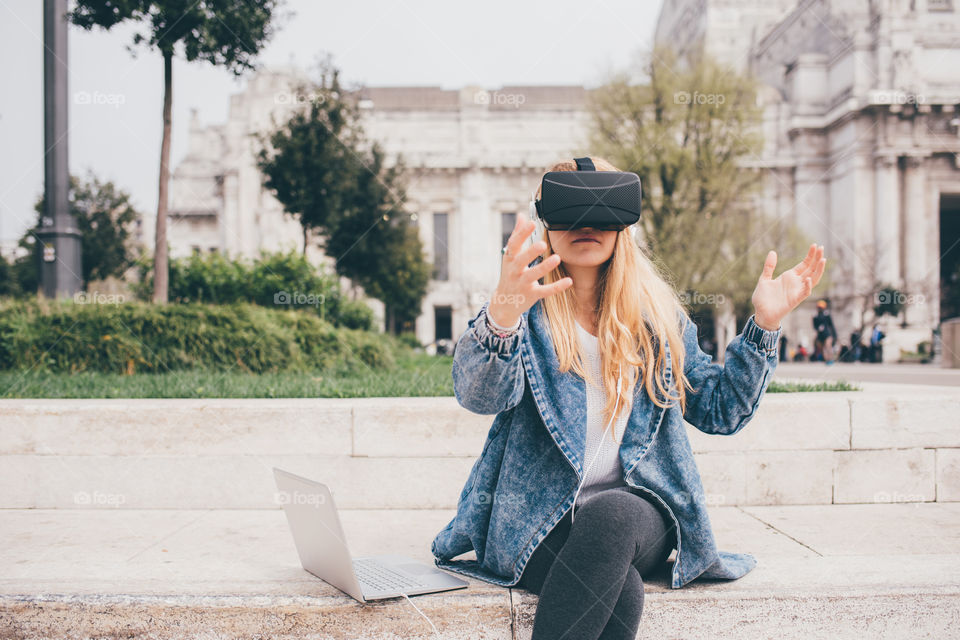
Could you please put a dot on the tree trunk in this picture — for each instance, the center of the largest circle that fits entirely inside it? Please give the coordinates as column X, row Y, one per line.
column 306, row 235
column 160, row 268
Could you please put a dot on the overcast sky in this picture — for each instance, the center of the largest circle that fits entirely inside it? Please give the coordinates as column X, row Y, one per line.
column 378, row 43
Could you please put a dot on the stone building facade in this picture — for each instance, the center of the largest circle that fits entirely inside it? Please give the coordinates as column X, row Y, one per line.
column 861, row 153
column 862, row 149
column 475, row 157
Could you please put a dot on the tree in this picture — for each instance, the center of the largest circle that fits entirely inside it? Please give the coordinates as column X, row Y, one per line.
column 225, row 33
column 689, row 130
column 375, row 244
column 322, row 170
column 403, row 275
column 106, row 220
column 309, row 162
column 8, row 282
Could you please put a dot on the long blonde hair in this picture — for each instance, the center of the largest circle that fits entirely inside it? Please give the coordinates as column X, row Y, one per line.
column 636, row 303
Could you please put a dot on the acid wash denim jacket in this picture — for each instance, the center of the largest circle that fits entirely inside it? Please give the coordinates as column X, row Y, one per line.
column 525, row 478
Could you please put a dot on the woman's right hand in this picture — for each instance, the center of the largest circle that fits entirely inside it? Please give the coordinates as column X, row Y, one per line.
column 518, row 289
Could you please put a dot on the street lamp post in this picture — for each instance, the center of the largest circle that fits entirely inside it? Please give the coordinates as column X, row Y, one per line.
column 60, row 268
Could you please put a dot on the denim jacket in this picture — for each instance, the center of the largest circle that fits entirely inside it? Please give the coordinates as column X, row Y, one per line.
column 525, row 478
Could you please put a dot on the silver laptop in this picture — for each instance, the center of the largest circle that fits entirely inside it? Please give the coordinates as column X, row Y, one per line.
column 323, row 550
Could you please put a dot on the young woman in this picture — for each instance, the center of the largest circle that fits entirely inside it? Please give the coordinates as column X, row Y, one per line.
column 586, row 481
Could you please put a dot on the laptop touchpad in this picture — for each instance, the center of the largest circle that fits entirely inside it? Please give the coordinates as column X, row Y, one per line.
column 416, row 569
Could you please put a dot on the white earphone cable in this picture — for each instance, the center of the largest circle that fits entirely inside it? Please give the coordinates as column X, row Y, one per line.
column 597, row 452
column 422, row 614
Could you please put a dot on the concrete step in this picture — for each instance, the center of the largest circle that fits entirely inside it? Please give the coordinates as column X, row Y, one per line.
column 838, row 572
column 412, row 453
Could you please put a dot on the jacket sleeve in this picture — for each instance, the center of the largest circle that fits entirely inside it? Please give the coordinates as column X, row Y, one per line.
column 725, row 397
column 487, row 370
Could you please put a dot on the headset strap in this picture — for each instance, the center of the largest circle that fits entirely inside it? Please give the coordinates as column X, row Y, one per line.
column 584, row 164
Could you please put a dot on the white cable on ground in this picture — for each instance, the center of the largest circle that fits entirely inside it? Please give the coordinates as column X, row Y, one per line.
column 422, row 613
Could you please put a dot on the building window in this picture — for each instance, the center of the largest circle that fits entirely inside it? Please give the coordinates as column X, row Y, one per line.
column 507, row 220
column 940, row 5
column 443, row 330
column 442, row 323
column 440, row 252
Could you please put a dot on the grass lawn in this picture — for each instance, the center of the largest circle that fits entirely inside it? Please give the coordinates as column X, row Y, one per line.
column 828, row 385
column 417, row 375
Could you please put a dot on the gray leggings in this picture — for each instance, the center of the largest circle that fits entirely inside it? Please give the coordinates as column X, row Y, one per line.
column 588, row 576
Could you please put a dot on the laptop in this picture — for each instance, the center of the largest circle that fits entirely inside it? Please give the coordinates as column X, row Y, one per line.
column 323, row 551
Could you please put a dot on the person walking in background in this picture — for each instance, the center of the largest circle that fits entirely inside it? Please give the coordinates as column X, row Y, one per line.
column 856, row 346
column 876, row 348
column 826, row 333
column 801, row 353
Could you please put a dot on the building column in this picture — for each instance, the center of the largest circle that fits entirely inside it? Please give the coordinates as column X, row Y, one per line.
column 915, row 234
column 228, row 217
column 886, row 220
column 725, row 327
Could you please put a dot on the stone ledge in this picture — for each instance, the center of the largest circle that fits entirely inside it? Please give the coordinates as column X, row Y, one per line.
column 413, row 453
column 245, row 482
column 437, row 426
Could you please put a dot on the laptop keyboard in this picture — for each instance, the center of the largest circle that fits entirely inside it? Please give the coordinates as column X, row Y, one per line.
column 376, row 576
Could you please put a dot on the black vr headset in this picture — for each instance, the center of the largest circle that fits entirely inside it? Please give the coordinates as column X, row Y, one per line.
column 604, row 200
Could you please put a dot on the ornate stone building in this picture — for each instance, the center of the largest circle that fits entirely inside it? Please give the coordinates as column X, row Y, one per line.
column 217, row 202
column 475, row 157
column 861, row 139
column 728, row 30
column 861, row 152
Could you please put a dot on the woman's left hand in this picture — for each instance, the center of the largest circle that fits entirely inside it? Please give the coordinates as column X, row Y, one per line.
column 774, row 298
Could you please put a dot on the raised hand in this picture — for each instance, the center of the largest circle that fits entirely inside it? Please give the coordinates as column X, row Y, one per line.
column 518, row 289
column 774, row 298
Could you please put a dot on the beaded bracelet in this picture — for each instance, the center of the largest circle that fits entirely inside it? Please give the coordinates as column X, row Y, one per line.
column 500, row 333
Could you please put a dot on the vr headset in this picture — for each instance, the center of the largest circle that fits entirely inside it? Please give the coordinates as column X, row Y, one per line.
column 603, row 200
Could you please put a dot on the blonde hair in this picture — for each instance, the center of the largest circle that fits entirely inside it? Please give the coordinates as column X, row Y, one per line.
column 635, row 304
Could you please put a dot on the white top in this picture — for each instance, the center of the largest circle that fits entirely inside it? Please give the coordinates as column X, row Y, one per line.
column 606, row 471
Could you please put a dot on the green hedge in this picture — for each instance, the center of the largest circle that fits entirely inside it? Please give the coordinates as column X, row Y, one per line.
column 274, row 280
column 143, row 337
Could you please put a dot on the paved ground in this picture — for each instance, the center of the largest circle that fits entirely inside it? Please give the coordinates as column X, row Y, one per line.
column 823, row 571
column 928, row 374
